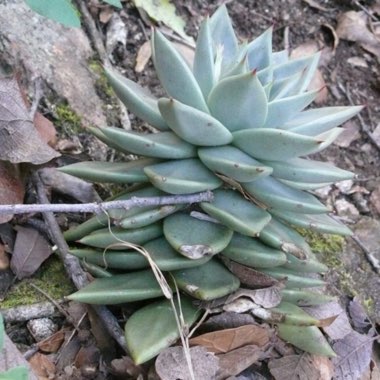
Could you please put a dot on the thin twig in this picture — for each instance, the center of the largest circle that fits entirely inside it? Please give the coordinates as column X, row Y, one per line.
column 97, row 208
column 73, row 268
column 375, row 263
column 93, row 31
column 36, row 97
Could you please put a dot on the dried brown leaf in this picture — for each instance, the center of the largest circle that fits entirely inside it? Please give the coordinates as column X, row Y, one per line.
column 11, row 185
column 324, row 366
column 248, row 276
column 236, row 361
column 43, row 367
column 227, row 320
column 352, row 26
column 19, row 140
column 53, row 343
column 4, row 259
column 340, row 327
column 30, row 251
column 45, row 128
column 295, row 367
column 106, row 14
column 223, row 341
column 358, row 316
column 125, row 367
column 171, row 364
column 143, row 56
column 354, row 356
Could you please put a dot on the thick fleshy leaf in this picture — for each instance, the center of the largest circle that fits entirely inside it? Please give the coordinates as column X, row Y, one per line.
column 293, row 278
column 168, row 259
column 280, row 236
column 239, row 68
column 285, row 87
column 308, row 171
column 308, row 265
column 304, row 185
column 294, row 315
column 182, row 177
column 153, row 328
column 207, row 282
column 96, row 270
column 105, row 237
column 274, row 144
column 101, row 220
column 304, row 297
column 192, row 125
column 259, row 51
column 223, row 34
column 327, row 138
column 251, row 252
column 203, row 67
column 116, row 172
column 160, row 145
column 280, row 57
column 233, row 163
column 282, row 110
column 236, row 212
column 129, row 260
column 98, row 132
column 307, row 338
column 321, row 223
column 275, row 194
column 148, row 217
column 315, row 121
column 293, row 66
column 175, row 75
column 119, row 288
column 239, row 102
column 137, row 99
column 195, row 238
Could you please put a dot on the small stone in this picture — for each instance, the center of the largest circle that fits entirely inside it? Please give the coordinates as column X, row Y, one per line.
column 376, row 134
column 375, row 200
column 345, row 208
column 41, row 328
column 323, row 192
column 345, row 186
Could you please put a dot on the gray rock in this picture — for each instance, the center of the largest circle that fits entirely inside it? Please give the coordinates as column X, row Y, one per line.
column 41, row 328
column 59, row 55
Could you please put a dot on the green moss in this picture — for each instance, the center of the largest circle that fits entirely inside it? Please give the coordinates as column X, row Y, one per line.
column 67, row 119
column 51, row 278
column 102, row 86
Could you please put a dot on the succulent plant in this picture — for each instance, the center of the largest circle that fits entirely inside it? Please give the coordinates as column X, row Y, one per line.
column 234, row 123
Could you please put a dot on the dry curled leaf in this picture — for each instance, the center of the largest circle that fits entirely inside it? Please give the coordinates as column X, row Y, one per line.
column 43, row 367
column 171, row 364
column 223, row 341
column 19, row 140
column 304, row 366
column 53, row 343
column 354, row 356
column 4, row 259
column 143, row 56
column 352, row 26
column 30, row 251
column 236, row 361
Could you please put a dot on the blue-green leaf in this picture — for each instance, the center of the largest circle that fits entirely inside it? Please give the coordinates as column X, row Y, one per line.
column 207, row 282
column 195, row 238
column 239, row 102
column 153, row 328
column 159, row 145
column 175, row 75
column 182, row 176
column 62, row 11
column 137, row 99
column 307, row 171
column 282, row 110
column 274, row 144
column 136, row 286
column 259, row 51
column 251, row 252
column 115, row 3
column 194, row 126
column 275, row 194
column 236, row 212
column 203, row 67
column 117, row 172
column 302, row 297
column 310, row 265
column 293, row 66
column 223, row 34
column 316, row 121
column 233, row 163
column 293, row 315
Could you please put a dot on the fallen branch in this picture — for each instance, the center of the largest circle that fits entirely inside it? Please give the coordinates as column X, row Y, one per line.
column 73, row 268
column 97, row 208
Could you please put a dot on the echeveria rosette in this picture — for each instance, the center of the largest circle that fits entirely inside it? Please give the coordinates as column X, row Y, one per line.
column 234, row 123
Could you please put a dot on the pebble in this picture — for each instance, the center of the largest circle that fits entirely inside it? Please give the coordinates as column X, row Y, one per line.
column 41, row 328
column 345, row 208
